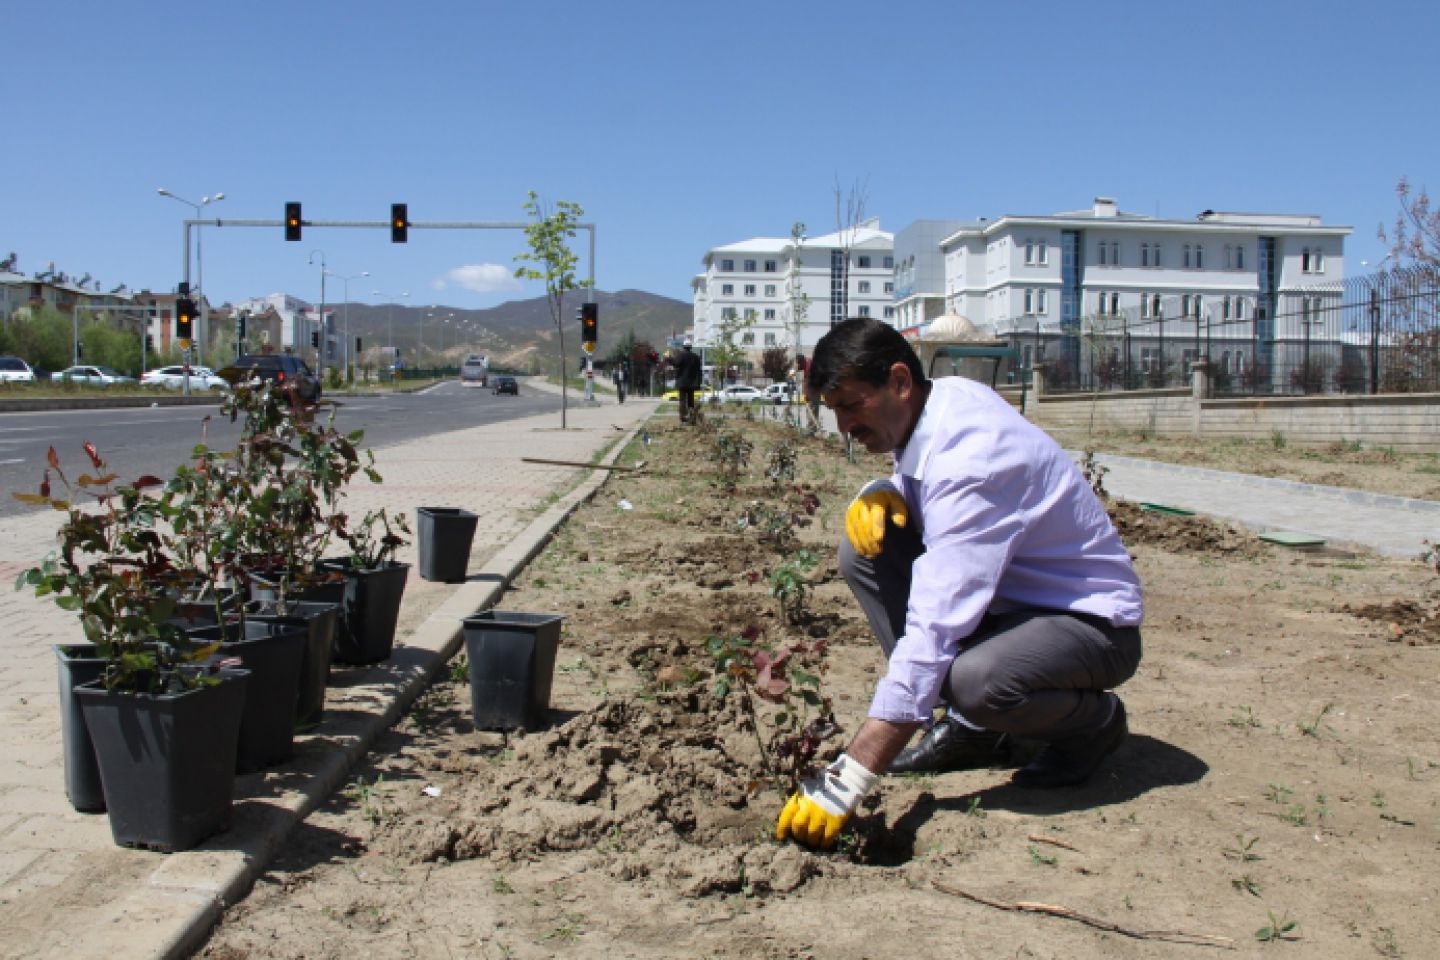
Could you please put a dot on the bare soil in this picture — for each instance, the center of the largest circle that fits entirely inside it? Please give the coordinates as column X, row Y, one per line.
column 1280, row 780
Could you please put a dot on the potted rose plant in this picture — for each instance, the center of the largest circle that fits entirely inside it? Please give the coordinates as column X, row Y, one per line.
column 164, row 713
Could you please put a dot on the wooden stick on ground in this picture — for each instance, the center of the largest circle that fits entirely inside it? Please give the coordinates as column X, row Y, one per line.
column 1040, row 838
column 577, row 463
column 1026, row 906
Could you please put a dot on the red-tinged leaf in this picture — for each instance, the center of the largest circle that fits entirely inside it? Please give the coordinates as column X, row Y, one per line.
column 94, row 456
column 53, row 459
column 148, row 480
column 105, row 480
column 40, row 499
column 45, row 485
column 770, row 682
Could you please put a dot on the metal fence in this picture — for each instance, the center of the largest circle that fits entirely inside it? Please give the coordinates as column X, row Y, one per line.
column 1378, row 333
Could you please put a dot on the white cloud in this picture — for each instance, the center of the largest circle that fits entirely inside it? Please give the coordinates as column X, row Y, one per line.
column 480, row 278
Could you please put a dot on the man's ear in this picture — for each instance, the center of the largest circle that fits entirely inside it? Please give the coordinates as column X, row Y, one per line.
column 901, row 377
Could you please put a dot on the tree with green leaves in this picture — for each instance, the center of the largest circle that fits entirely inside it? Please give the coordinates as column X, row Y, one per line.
column 1415, row 237
column 795, row 289
column 553, row 263
column 724, row 350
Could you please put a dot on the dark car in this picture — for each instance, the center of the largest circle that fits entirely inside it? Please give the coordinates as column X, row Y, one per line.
column 506, row 385
column 281, row 368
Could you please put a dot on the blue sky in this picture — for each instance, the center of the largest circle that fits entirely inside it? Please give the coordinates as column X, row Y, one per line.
column 678, row 126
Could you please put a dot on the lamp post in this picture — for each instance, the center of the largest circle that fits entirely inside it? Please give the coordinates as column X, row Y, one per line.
column 323, row 271
column 345, row 318
column 199, row 262
column 389, row 321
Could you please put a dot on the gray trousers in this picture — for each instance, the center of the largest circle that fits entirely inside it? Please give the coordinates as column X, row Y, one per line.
column 1040, row 674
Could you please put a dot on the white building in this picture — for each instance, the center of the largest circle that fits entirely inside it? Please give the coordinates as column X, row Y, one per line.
column 794, row 290
column 1170, row 290
column 298, row 318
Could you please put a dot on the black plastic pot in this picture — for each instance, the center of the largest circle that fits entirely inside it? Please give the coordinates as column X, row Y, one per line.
column 271, row 652
column 512, row 662
column 167, row 761
column 318, row 620
column 370, row 610
column 443, row 538
column 79, row 663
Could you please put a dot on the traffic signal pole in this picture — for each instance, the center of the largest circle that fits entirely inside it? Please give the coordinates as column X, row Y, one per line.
column 294, row 231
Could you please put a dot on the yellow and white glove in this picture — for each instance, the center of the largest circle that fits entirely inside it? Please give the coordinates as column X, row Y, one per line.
column 866, row 515
column 816, row 813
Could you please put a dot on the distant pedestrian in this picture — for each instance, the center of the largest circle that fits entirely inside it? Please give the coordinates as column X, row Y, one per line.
column 618, row 376
column 687, row 379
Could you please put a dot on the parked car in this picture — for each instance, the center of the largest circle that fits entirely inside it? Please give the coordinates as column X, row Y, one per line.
column 506, row 385
column 15, row 370
column 92, row 375
column 782, row 392
column 737, row 393
column 279, row 367
column 173, row 378
column 704, row 393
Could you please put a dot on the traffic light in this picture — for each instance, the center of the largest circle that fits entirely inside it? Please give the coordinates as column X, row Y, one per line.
column 184, row 318
column 149, row 343
column 240, row 323
column 358, row 347
column 79, row 350
column 315, row 339
column 399, row 223
column 292, row 220
column 589, row 322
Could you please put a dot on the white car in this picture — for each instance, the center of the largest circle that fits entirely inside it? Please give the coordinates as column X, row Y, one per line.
column 782, row 392
column 173, row 378
column 737, row 393
column 15, row 370
column 91, row 375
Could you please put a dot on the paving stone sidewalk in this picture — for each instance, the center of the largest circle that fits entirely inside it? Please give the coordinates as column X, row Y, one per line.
column 66, row 890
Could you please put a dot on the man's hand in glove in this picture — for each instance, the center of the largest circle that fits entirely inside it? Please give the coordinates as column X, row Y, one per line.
column 866, row 515
column 816, row 813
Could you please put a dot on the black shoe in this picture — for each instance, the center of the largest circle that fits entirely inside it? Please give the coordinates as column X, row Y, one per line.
column 1072, row 761
column 950, row 745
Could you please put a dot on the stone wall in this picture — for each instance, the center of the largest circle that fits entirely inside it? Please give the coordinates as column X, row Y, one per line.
column 1403, row 421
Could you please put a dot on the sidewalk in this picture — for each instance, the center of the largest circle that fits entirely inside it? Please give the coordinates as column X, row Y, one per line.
column 66, row 890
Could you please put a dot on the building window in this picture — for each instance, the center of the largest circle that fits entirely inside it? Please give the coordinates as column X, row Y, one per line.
column 749, row 266
column 727, row 265
column 1185, row 257
column 864, row 310
column 1199, row 256
column 1036, row 253
column 889, row 287
column 1149, row 358
column 864, row 286
column 1109, row 253
column 1312, row 261
column 889, row 313
column 772, row 266
column 1240, row 265
column 863, row 263
column 727, row 314
column 1036, row 301
column 1199, row 306
column 770, row 315
column 889, row 263
column 749, row 289
column 1239, row 308
column 1234, row 257
column 1104, row 253
column 769, row 289
column 747, row 338
column 727, row 289
column 1185, row 305
column 1029, row 301
column 769, row 339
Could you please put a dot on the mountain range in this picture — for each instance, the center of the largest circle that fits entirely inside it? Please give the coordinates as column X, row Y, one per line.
column 517, row 332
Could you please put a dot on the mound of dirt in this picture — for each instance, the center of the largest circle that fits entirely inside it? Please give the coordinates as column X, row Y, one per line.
column 1176, row 534
column 1409, row 621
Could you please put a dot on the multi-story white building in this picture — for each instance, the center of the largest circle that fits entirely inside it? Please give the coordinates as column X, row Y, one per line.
column 1220, row 285
column 792, row 290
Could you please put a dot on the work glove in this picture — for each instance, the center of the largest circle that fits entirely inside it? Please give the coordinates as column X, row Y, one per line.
column 865, row 517
column 816, row 813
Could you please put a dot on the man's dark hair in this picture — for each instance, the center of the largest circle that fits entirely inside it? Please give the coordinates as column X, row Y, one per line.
column 863, row 348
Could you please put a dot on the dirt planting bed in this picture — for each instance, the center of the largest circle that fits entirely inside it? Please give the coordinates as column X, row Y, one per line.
column 1281, row 780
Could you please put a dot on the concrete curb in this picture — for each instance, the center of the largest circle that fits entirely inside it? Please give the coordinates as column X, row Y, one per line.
column 1275, row 483
column 203, row 882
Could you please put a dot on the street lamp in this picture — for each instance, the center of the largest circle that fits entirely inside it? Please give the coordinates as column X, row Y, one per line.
column 323, row 271
column 345, row 318
column 199, row 266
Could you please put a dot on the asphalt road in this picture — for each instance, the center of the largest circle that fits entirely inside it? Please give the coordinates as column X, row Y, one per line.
column 139, row 440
